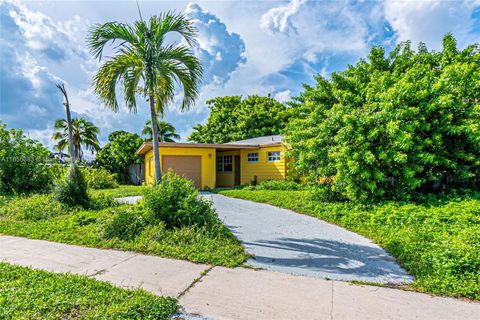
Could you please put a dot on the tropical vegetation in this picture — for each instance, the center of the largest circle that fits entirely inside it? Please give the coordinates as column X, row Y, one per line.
column 145, row 63
column 23, row 163
column 119, row 153
column 166, row 131
column 173, row 222
column 36, row 294
column 392, row 125
column 435, row 238
column 233, row 118
column 84, row 134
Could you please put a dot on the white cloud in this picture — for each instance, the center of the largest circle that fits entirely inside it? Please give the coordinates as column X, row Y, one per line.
column 283, row 96
column 279, row 19
column 429, row 20
column 220, row 51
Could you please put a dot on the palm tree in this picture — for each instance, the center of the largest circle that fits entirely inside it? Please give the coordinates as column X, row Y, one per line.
column 145, row 63
column 66, row 103
column 166, row 131
column 84, row 134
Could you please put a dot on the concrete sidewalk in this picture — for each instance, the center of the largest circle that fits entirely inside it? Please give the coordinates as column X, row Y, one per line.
column 222, row 293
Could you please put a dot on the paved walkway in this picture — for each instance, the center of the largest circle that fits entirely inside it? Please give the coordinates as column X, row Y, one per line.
column 284, row 241
column 222, row 293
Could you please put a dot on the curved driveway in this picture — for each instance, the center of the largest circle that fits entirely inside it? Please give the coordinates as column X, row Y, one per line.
column 284, row 241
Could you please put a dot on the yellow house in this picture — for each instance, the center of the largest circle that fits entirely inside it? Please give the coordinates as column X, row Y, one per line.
column 220, row 165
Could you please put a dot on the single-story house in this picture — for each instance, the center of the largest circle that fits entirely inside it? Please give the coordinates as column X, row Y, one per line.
column 220, row 165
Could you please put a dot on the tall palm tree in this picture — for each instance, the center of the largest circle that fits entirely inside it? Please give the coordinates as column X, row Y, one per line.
column 166, row 131
column 84, row 134
column 146, row 64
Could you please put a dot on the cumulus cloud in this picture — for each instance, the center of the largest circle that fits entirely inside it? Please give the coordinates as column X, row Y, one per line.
column 221, row 52
column 429, row 20
column 283, row 96
column 279, row 19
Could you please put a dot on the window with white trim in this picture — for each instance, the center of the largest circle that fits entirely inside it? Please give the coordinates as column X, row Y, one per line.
column 274, row 156
column 252, row 157
column 224, row 164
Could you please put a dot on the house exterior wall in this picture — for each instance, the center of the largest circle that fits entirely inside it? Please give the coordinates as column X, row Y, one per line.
column 227, row 179
column 208, row 156
column 263, row 169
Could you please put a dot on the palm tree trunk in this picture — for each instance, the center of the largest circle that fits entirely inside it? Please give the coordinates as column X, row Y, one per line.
column 156, row 154
column 69, row 124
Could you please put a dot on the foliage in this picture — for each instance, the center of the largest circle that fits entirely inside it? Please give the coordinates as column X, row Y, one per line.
column 233, row 118
column 35, row 294
column 106, row 224
column 146, row 62
column 22, row 163
column 99, row 178
column 118, row 153
column 166, row 131
column 389, row 126
column 36, row 207
column 84, row 134
column 72, row 191
column 177, row 203
column 436, row 239
column 126, row 224
column 280, row 185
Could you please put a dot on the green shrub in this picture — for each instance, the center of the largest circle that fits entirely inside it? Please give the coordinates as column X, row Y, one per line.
column 23, row 163
column 72, row 191
column 176, row 202
column 280, row 185
column 36, row 207
column 392, row 125
column 99, row 178
column 126, row 224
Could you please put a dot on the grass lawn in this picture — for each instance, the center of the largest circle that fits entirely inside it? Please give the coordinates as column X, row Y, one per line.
column 437, row 240
column 121, row 191
column 33, row 294
column 110, row 225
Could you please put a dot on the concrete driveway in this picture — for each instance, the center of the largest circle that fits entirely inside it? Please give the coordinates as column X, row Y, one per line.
column 288, row 242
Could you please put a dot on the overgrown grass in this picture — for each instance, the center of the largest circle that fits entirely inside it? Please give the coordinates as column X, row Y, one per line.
column 437, row 239
column 121, row 191
column 41, row 217
column 35, row 294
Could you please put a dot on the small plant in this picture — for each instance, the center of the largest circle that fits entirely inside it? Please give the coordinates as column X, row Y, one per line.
column 176, row 202
column 126, row 224
column 72, row 191
column 34, row 208
column 100, row 178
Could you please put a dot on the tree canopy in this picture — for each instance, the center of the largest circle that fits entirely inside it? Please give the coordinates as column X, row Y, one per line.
column 233, row 118
column 118, row 153
column 393, row 124
column 166, row 131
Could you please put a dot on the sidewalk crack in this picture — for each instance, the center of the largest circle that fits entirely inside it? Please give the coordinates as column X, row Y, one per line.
column 331, row 306
column 99, row 272
column 195, row 281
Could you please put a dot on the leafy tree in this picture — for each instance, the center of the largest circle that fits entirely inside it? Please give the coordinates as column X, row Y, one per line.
column 84, row 134
column 118, row 153
column 389, row 126
column 23, row 163
column 233, row 118
column 166, row 131
column 145, row 63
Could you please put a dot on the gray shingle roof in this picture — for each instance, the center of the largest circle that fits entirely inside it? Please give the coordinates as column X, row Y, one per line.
column 259, row 140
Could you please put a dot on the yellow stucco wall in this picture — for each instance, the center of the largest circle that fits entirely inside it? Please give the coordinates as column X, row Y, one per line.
column 262, row 169
column 227, row 179
column 207, row 155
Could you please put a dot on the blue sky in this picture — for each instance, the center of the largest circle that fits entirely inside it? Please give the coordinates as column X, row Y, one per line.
column 255, row 47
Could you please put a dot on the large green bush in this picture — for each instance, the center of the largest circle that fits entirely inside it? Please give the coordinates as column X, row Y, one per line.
column 390, row 126
column 99, row 178
column 233, row 118
column 72, row 190
column 23, row 163
column 119, row 153
column 177, row 203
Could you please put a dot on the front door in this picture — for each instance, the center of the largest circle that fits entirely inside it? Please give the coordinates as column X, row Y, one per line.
column 237, row 170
